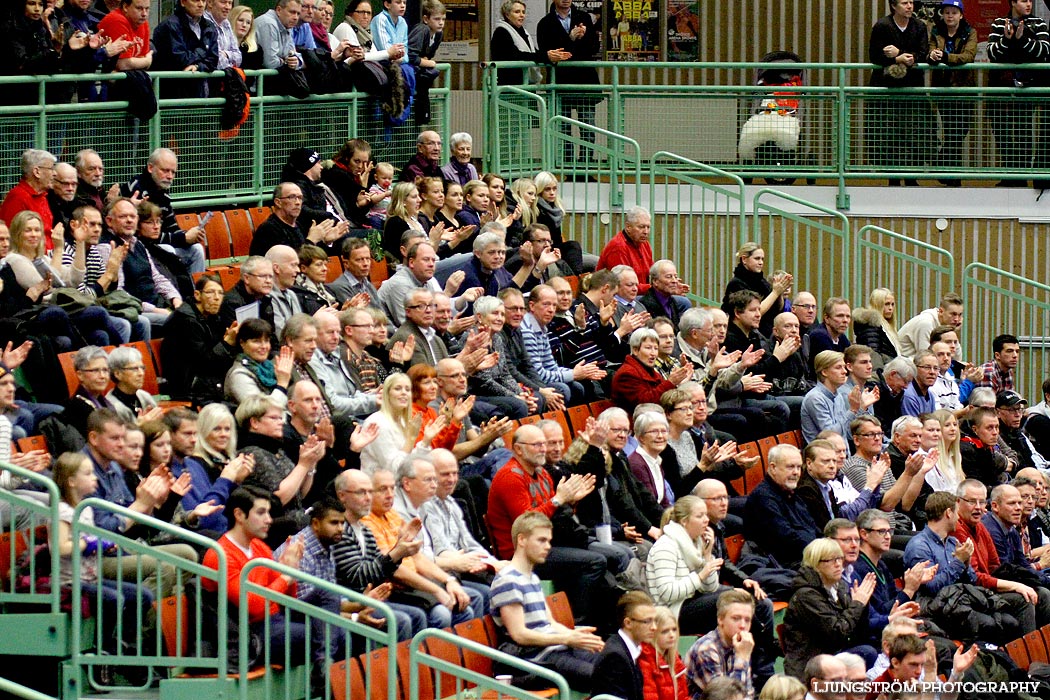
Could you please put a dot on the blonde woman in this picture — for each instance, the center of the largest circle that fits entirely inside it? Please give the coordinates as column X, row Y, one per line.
column 398, row 428
column 948, row 473
column 680, row 569
column 876, row 324
column 663, row 671
column 242, row 21
column 552, row 214
column 524, row 191
column 401, row 215
column 749, row 275
column 783, row 687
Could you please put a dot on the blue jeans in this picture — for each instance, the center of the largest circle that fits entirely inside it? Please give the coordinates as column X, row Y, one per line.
column 191, row 256
column 28, row 416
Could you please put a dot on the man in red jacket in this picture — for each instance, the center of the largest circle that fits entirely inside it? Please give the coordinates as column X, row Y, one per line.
column 631, row 247
column 248, row 514
column 38, row 171
column 972, row 505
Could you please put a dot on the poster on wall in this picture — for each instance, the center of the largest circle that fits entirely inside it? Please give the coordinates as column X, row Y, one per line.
column 683, row 30
column 632, row 30
column 461, row 35
column 595, row 8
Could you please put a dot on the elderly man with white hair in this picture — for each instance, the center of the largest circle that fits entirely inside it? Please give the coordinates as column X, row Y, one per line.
column 38, row 172
column 664, row 287
column 485, row 268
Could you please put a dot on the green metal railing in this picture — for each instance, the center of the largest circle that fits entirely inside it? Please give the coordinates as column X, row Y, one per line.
column 703, row 222
column 212, row 170
column 803, row 243
column 607, row 171
column 141, row 646
column 918, row 272
column 20, row 691
column 421, row 661
column 998, row 301
column 292, row 686
column 842, row 125
column 29, row 513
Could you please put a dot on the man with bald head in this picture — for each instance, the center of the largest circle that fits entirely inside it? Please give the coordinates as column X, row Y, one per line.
column 286, row 302
column 62, row 197
column 305, row 404
column 804, row 306
column 1003, row 522
column 524, row 484
column 821, row 670
column 426, row 161
column 419, row 323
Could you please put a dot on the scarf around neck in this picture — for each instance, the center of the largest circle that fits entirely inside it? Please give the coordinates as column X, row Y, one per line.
column 523, row 41
column 263, row 371
column 687, row 547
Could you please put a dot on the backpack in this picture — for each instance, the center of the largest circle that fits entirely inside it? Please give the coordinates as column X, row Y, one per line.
column 994, row 664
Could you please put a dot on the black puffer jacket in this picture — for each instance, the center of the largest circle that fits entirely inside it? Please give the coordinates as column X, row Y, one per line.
column 816, row 624
column 968, row 613
column 868, row 330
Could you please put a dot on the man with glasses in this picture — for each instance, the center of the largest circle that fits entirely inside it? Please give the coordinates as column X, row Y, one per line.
column 283, row 226
column 522, row 485
column 1010, row 407
column 867, row 438
column 1025, row 602
column 38, row 171
column 616, row 671
column 875, row 534
column 521, row 365
column 918, row 395
column 426, row 161
column 254, row 287
column 419, row 323
column 538, row 257
column 62, row 197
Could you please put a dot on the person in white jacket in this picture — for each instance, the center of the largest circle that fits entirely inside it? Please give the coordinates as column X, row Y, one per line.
column 680, row 571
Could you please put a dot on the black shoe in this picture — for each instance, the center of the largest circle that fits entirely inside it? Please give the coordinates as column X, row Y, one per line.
column 1011, row 183
column 893, row 183
column 911, row 183
column 1041, row 184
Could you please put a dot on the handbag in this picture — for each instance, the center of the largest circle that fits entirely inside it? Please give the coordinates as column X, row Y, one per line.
column 292, row 83
column 121, row 304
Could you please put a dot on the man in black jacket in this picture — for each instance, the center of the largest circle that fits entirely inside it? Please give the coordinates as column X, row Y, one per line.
column 153, row 184
column 616, row 672
column 284, row 227
column 186, row 41
column 566, row 28
column 255, row 286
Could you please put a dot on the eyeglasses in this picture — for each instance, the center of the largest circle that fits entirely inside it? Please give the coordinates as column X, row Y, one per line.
column 619, row 431
column 95, row 370
column 359, row 325
column 360, row 492
column 656, row 431
column 541, row 443
column 362, row 12
column 879, row 434
column 1012, row 409
column 422, row 306
column 927, row 367
column 457, row 375
column 803, row 306
column 513, row 308
column 716, row 498
column 647, row 622
column 292, row 197
column 881, row 531
column 833, row 560
column 973, row 501
column 684, row 408
column 426, row 479
column 848, row 540
column 258, row 276
column 134, row 368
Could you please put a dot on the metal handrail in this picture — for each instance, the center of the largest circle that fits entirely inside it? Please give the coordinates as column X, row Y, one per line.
column 863, row 242
column 53, row 597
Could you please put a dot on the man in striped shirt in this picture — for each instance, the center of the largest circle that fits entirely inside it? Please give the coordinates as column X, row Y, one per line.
column 527, row 628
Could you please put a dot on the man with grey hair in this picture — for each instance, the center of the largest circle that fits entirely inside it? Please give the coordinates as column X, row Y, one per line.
column 542, row 307
column 38, row 172
column 776, row 521
column 345, row 397
column 254, row 287
column 631, row 246
column 416, row 484
column 62, row 197
column 90, row 180
column 419, row 323
column 895, row 376
column 285, row 226
column 153, row 184
column 626, row 296
column 664, row 286
column 804, row 306
column 485, row 268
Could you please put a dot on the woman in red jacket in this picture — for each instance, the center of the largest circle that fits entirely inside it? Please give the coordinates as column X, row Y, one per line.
column 425, row 390
column 637, row 381
column 663, row 672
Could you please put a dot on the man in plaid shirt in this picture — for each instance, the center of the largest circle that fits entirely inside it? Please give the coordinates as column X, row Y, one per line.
column 725, row 650
column 999, row 372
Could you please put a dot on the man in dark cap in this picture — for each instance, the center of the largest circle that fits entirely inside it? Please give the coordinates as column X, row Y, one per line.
column 303, row 168
column 1010, row 406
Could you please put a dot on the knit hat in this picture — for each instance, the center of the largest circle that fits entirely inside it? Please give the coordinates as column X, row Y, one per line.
column 302, row 159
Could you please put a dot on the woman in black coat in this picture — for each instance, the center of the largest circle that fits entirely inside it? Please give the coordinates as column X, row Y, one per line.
column 748, row 276
column 197, row 351
column 511, row 42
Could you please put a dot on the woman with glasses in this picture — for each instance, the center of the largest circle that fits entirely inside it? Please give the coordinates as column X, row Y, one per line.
column 651, row 459
column 637, row 380
column 128, row 370
column 696, row 460
column 92, row 369
column 824, row 616
column 680, row 571
column 198, row 350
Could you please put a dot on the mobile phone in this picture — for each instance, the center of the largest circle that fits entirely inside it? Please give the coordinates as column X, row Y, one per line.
column 206, row 217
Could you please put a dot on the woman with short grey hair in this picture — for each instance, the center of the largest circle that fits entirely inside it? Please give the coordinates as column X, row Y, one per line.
column 128, row 370
column 637, row 380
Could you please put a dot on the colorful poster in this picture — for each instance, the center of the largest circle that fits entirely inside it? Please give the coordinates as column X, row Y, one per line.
column 595, row 9
column 683, row 30
column 633, row 30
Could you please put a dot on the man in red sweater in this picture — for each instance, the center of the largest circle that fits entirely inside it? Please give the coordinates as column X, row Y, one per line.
column 38, row 171
column 577, row 561
column 972, row 505
column 631, row 247
column 248, row 514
